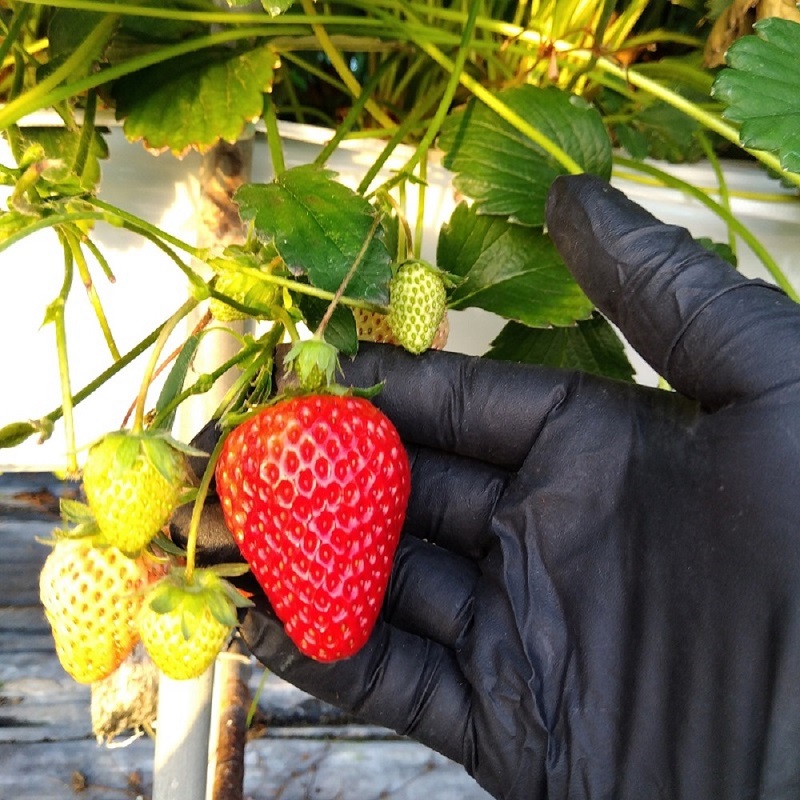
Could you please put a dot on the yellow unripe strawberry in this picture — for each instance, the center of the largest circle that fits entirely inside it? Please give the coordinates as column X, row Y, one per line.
column 91, row 597
column 184, row 623
column 133, row 483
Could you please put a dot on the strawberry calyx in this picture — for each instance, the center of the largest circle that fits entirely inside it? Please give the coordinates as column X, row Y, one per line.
column 205, row 590
column 314, row 362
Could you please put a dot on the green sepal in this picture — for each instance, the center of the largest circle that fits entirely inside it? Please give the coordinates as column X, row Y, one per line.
column 166, row 545
column 314, row 362
column 16, row 433
column 75, row 511
column 232, row 570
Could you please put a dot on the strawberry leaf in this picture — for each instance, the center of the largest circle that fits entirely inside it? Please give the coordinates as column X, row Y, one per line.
column 590, row 346
column 505, row 172
column 511, row 270
column 762, row 89
column 173, row 385
column 195, row 100
column 319, row 227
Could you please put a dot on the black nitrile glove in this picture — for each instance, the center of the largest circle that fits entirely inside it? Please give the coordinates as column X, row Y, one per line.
column 597, row 594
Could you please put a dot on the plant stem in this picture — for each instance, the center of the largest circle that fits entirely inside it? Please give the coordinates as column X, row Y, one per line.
column 87, row 134
column 724, row 194
column 72, row 240
column 161, row 341
column 48, row 93
column 456, row 75
column 49, row 222
column 347, row 278
column 12, row 34
column 197, row 509
column 693, row 110
column 56, row 314
column 341, row 68
column 37, row 96
column 273, row 136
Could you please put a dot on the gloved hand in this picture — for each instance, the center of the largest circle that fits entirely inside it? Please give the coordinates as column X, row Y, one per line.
column 597, row 594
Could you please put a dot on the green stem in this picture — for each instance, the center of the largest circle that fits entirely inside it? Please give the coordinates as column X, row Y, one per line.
column 347, row 278
column 87, row 134
column 107, row 374
column 56, row 310
column 456, row 75
column 72, row 240
column 12, row 35
column 722, row 183
column 693, row 110
column 352, row 114
column 752, row 242
column 37, row 96
column 502, row 110
column 342, row 70
column 48, row 93
column 197, row 509
column 152, row 364
column 50, row 222
column 273, row 136
column 204, row 383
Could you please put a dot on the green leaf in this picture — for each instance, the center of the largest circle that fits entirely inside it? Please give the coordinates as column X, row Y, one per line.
column 340, row 331
column 722, row 249
column 67, row 30
column 511, row 270
column 173, row 385
column 670, row 135
column 273, row 7
column 590, row 346
column 762, row 89
column 195, row 100
column 504, row 172
column 135, row 31
column 319, row 227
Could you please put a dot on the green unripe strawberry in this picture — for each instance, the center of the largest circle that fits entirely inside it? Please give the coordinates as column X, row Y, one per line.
column 417, row 298
column 184, row 622
column 372, row 326
column 133, row 482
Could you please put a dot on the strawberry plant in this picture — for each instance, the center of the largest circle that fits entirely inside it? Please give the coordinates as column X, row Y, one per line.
column 509, row 95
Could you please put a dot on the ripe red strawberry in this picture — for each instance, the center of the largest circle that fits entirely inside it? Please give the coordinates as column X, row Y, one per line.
column 314, row 490
column 133, row 483
column 91, row 597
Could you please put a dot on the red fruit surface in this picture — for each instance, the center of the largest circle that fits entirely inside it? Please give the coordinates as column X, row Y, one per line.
column 314, row 489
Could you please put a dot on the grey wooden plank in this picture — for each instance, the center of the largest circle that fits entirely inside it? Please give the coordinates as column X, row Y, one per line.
column 289, row 769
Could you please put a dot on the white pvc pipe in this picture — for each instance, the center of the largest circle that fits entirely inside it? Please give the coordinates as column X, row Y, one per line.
column 184, row 723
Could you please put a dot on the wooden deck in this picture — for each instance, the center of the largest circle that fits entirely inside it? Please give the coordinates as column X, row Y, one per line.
column 303, row 748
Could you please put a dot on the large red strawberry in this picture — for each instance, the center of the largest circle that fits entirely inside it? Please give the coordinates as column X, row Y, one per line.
column 314, row 490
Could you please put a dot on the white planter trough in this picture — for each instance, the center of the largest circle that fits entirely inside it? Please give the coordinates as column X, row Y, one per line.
column 149, row 287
